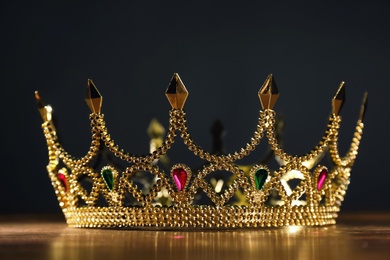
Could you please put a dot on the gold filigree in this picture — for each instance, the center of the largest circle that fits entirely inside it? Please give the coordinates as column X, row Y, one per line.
column 315, row 200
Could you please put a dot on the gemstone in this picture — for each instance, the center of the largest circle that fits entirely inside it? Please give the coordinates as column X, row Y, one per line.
column 339, row 99
column 176, row 92
column 62, row 178
column 42, row 108
column 180, row 178
column 321, row 178
column 268, row 94
column 108, row 178
column 261, row 176
column 93, row 98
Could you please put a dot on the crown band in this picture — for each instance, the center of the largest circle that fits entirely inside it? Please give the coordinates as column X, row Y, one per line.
column 200, row 216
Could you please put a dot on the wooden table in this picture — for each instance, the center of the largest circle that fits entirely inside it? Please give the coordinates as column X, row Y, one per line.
column 356, row 236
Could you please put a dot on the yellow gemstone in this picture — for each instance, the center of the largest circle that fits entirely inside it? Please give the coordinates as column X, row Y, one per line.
column 44, row 110
column 93, row 98
column 268, row 94
column 338, row 100
column 176, row 92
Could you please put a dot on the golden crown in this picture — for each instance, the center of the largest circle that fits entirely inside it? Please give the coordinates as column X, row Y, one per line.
column 142, row 194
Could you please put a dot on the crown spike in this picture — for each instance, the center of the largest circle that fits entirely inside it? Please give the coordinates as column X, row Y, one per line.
column 268, row 93
column 40, row 103
column 155, row 129
column 363, row 107
column 339, row 99
column 44, row 110
column 93, row 98
column 176, row 92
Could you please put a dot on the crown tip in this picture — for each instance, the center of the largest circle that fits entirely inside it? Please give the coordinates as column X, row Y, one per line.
column 93, row 98
column 40, row 103
column 155, row 129
column 37, row 96
column 340, row 94
column 363, row 108
column 176, row 92
column 44, row 110
column 339, row 99
column 268, row 93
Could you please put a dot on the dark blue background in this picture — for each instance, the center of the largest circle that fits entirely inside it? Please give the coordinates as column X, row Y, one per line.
column 223, row 53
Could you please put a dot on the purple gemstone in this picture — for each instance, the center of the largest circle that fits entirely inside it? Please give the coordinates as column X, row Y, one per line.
column 180, row 178
column 62, row 178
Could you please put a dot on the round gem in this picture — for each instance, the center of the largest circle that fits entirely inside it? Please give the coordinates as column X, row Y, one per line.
column 261, row 176
column 321, row 178
column 180, row 178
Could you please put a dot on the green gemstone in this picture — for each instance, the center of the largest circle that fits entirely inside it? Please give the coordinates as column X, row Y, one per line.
column 260, row 178
column 108, row 178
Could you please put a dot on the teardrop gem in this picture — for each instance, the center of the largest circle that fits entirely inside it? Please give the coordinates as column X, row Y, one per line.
column 180, row 177
column 321, row 178
column 261, row 176
column 62, row 178
column 108, row 178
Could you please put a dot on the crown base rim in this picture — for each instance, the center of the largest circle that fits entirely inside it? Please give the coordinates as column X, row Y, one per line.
column 209, row 217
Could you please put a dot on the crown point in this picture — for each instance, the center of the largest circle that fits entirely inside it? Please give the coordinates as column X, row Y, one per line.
column 339, row 99
column 40, row 104
column 44, row 110
column 93, row 98
column 176, row 92
column 155, row 129
column 268, row 93
column 363, row 108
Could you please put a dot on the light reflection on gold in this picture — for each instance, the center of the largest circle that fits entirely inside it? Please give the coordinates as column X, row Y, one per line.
column 294, row 229
column 289, row 242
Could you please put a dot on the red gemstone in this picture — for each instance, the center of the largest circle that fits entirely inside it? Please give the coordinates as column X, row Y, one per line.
column 62, row 178
column 180, row 178
column 321, row 178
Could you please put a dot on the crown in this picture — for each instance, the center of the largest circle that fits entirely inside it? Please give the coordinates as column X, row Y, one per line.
column 97, row 194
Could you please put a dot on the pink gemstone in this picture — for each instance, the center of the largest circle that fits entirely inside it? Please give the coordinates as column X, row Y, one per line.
column 62, row 179
column 321, row 178
column 180, row 178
